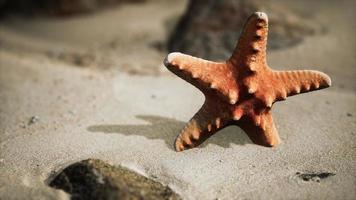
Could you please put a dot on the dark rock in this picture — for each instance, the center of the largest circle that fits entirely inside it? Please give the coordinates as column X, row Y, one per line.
column 58, row 7
column 316, row 177
column 95, row 179
column 210, row 28
column 33, row 119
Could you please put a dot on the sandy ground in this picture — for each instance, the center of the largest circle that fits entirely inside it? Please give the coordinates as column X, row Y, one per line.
column 126, row 109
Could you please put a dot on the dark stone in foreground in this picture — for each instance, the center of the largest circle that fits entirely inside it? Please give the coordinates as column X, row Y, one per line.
column 316, row 177
column 95, row 179
column 210, row 28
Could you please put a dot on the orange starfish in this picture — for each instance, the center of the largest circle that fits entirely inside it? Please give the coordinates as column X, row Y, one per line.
column 241, row 90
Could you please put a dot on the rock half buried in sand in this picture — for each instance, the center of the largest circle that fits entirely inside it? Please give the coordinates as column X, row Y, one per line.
column 315, row 177
column 209, row 28
column 95, row 179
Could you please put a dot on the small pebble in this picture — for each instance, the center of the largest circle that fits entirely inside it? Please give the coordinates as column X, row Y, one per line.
column 73, row 112
column 33, row 120
column 22, row 125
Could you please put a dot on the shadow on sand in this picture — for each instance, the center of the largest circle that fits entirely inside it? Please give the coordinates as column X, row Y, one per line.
column 167, row 129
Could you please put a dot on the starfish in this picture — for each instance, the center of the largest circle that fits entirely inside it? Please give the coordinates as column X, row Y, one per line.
column 241, row 90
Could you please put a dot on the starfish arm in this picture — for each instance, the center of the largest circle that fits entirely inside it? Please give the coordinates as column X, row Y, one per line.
column 206, row 122
column 204, row 74
column 260, row 129
column 299, row 81
column 250, row 51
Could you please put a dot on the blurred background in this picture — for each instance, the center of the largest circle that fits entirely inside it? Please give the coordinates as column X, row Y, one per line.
column 115, row 33
column 109, row 37
column 134, row 35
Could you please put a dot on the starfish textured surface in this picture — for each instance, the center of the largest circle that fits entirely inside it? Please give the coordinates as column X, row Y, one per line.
column 242, row 90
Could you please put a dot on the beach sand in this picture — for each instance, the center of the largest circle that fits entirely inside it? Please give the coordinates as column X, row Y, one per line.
column 94, row 86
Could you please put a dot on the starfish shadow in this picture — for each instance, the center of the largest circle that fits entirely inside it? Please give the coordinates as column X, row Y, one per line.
column 167, row 129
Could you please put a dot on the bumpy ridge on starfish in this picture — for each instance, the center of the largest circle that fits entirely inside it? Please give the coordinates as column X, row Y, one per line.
column 207, row 121
column 278, row 85
column 202, row 73
column 295, row 82
column 251, row 47
column 242, row 90
column 260, row 129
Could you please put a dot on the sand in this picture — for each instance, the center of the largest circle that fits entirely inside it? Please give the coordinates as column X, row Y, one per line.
column 98, row 89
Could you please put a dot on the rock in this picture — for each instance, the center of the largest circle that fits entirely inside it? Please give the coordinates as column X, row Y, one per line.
column 315, row 177
column 58, row 7
column 95, row 179
column 33, row 120
column 209, row 28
